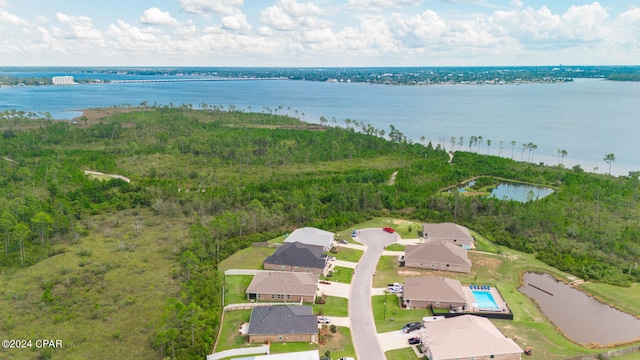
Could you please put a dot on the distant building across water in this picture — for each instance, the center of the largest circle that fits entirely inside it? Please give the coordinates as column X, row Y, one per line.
column 62, row 80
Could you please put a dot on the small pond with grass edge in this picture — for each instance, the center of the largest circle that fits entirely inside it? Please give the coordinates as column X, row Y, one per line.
column 582, row 318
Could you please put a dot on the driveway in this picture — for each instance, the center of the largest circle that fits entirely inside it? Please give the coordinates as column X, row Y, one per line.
column 397, row 339
column 335, row 289
column 363, row 329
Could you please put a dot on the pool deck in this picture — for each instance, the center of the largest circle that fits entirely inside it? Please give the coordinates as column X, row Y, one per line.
column 496, row 296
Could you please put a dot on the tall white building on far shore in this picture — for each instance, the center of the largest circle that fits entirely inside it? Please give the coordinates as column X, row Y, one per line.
column 62, row 80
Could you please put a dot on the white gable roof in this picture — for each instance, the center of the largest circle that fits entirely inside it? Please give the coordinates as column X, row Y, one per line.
column 311, row 236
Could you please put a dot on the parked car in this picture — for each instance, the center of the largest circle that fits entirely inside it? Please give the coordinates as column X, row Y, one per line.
column 346, row 358
column 394, row 288
column 354, row 233
column 323, row 320
column 412, row 327
column 414, row 340
column 389, row 230
column 343, row 241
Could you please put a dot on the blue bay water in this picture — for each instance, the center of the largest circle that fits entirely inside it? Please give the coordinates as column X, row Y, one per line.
column 588, row 118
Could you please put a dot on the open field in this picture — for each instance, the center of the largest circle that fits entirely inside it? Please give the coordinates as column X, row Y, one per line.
column 110, row 287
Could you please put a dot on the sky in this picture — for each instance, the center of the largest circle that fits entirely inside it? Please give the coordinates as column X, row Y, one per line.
column 298, row 33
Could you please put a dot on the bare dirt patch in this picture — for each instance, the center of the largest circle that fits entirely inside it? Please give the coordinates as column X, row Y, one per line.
column 408, row 272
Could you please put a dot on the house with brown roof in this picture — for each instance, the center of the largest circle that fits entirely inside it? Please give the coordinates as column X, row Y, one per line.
column 456, row 234
column 282, row 323
column 436, row 291
column 468, row 337
column 437, row 255
column 283, row 286
column 297, row 257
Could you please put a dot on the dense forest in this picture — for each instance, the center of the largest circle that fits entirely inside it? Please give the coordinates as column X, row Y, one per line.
column 240, row 177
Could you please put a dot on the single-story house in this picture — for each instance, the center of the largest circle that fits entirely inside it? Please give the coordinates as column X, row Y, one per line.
column 283, row 286
column 311, row 236
column 455, row 233
column 297, row 257
column 437, row 255
column 282, row 323
column 468, row 337
column 436, row 291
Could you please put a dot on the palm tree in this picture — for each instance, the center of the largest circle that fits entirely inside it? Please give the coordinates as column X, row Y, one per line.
column 561, row 154
column 513, row 143
column 609, row 158
column 488, row 145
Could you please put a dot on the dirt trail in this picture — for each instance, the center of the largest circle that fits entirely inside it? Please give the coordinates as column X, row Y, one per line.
column 108, row 175
column 393, row 178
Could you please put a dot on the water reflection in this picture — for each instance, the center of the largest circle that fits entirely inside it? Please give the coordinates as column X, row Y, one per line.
column 582, row 318
column 513, row 191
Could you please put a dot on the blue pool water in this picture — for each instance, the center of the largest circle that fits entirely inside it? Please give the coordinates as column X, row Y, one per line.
column 485, row 300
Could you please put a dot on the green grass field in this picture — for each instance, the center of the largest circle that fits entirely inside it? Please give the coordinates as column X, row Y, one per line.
column 391, row 316
column 340, row 274
column 347, row 254
column 250, row 258
column 235, row 288
column 400, row 354
column 109, row 290
column 334, row 306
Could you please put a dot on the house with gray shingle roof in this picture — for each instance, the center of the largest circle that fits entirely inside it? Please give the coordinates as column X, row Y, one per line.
column 437, row 255
column 439, row 292
column 282, row 323
column 311, row 236
column 283, row 286
column 457, row 234
column 297, row 257
column 468, row 337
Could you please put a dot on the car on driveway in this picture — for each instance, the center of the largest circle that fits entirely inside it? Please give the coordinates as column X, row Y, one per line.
column 389, row 230
column 323, row 320
column 414, row 340
column 343, row 241
column 394, row 288
column 412, row 327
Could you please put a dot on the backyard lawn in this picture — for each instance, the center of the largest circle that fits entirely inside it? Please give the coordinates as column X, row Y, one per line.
column 230, row 338
column 249, row 258
column 235, row 287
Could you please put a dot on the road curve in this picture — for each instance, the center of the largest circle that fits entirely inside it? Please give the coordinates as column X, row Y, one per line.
column 363, row 328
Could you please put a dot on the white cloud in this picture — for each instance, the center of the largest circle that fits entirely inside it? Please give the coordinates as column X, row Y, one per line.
column 126, row 36
column 224, row 7
column 155, row 16
column 377, row 5
column 8, row 18
column 264, row 31
column 289, row 15
column 236, row 22
column 277, row 18
column 297, row 9
column 81, row 26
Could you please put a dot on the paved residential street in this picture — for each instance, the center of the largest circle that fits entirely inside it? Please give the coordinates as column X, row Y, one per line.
column 363, row 329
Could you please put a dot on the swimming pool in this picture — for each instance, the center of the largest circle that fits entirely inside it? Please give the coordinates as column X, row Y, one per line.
column 485, row 300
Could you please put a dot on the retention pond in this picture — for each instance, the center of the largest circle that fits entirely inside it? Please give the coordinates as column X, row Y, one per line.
column 582, row 318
